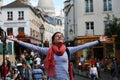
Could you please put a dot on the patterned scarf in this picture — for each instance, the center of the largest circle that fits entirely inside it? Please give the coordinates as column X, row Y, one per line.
column 50, row 61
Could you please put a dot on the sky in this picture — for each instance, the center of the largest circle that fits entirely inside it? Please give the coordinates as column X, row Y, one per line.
column 59, row 4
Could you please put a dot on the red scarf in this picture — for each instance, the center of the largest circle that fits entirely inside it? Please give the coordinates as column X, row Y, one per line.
column 50, row 62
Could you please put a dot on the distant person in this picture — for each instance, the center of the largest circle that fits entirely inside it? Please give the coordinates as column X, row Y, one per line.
column 26, row 71
column 5, row 70
column 38, row 60
column 98, row 65
column 8, row 61
column 19, row 66
column 92, row 61
column 93, row 72
column 56, row 62
column 81, row 63
column 37, row 73
column 114, row 69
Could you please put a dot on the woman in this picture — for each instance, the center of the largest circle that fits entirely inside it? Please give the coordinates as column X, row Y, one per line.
column 26, row 72
column 56, row 62
column 5, row 71
column 93, row 72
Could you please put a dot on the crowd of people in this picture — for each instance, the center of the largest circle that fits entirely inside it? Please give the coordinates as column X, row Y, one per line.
column 25, row 68
column 95, row 66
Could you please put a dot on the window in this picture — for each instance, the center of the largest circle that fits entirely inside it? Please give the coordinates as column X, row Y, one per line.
column 106, row 23
column 20, row 15
column 88, row 5
column 89, row 28
column 9, row 46
column 107, row 5
column 59, row 22
column 10, row 15
column 9, row 31
column 21, row 29
column 21, row 32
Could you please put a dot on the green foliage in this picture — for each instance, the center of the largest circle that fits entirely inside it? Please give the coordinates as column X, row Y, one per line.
column 113, row 29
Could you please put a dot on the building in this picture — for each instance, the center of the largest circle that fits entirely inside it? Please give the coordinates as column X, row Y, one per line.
column 85, row 18
column 53, row 23
column 1, row 4
column 22, row 20
column 47, row 7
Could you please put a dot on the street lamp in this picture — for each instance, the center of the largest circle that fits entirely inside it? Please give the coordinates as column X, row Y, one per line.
column 71, row 31
column 42, row 29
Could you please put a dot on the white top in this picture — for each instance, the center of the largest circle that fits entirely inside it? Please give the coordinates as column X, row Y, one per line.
column 93, row 70
column 38, row 60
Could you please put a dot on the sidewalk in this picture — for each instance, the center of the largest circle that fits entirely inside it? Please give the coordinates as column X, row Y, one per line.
column 105, row 75
column 84, row 74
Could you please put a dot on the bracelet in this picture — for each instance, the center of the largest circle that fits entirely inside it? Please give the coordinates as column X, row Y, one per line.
column 99, row 41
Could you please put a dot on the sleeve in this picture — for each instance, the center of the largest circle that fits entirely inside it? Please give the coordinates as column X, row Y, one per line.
column 42, row 50
column 83, row 46
column 90, row 71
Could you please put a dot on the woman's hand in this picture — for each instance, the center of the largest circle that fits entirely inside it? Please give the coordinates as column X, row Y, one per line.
column 104, row 39
column 13, row 39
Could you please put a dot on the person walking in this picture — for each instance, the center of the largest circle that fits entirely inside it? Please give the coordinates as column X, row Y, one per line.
column 26, row 72
column 93, row 72
column 114, row 69
column 81, row 63
column 56, row 61
column 5, row 70
column 98, row 65
column 37, row 73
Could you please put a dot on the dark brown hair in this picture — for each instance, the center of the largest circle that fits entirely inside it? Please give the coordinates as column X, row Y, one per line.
column 54, row 36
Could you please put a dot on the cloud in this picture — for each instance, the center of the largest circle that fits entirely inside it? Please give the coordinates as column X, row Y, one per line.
column 34, row 2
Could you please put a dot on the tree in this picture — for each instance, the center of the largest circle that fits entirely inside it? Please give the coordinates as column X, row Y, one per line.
column 113, row 28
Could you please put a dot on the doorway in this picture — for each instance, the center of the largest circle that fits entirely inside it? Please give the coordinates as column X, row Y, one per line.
column 98, row 53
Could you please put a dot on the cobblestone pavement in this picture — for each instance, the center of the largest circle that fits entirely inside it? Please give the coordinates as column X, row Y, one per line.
column 104, row 76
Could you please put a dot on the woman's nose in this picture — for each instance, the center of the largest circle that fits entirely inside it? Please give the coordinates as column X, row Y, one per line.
column 60, row 36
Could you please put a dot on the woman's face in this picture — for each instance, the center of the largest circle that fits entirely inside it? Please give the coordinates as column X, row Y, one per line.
column 58, row 38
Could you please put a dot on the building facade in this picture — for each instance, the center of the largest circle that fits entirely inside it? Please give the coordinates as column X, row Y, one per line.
column 22, row 20
column 87, row 17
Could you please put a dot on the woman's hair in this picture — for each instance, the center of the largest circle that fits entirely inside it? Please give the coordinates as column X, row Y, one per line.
column 54, row 36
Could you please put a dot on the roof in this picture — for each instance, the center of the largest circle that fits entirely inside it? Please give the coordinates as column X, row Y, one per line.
column 50, row 20
column 16, row 3
column 20, row 4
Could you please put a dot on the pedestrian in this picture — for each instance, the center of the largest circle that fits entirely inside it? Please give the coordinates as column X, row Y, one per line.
column 114, row 69
column 5, row 70
column 8, row 61
column 38, row 60
column 92, row 61
column 81, row 63
column 93, row 72
column 26, row 71
column 98, row 65
column 37, row 73
column 14, row 73
column 31, row 61
column 56, row 61
column 19, row 66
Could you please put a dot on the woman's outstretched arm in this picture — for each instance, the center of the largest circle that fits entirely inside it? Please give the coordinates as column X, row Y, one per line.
column 42, row 50
column 89, row 44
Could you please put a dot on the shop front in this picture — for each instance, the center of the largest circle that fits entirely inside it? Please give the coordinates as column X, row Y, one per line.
column 98, row 51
